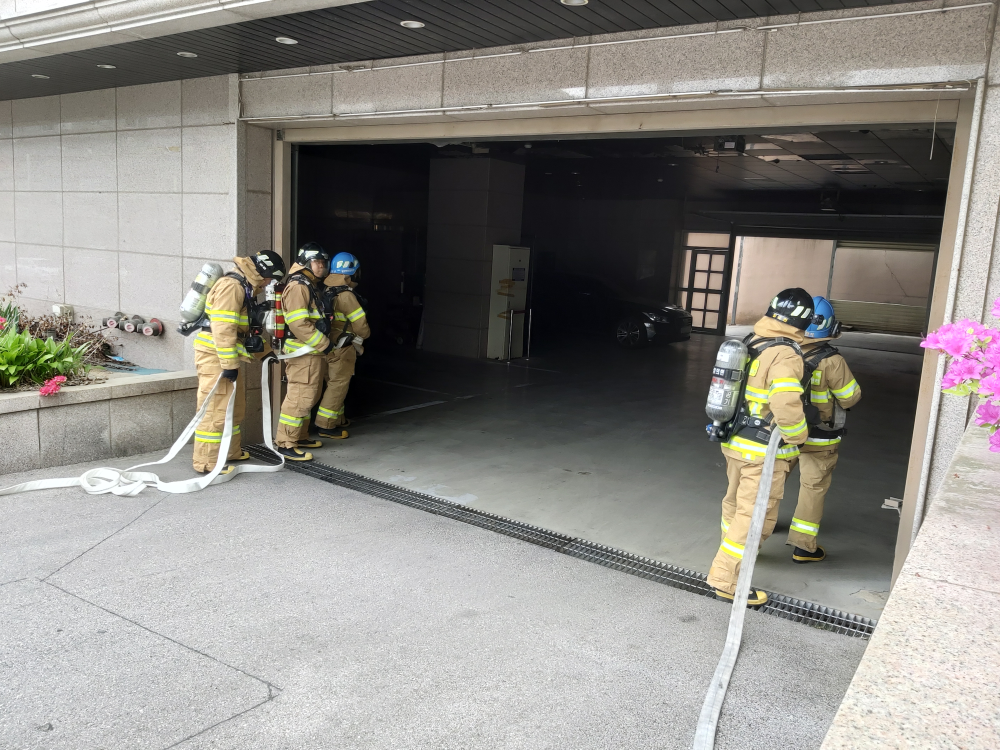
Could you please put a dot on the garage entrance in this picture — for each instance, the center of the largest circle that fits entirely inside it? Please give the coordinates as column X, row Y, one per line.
column 583, row 411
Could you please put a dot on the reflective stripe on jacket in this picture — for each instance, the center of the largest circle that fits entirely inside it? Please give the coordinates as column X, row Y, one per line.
column 227, row 315
column 774, row 386
column 301, row 315
column 831, row 381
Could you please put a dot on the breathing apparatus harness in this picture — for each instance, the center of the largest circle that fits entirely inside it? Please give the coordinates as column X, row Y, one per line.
column 756, row 428
column 323, row 323
column 817, row 429
column 330, row 295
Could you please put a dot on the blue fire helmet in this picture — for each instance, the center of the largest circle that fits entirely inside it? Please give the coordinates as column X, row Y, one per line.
column 345, row 263
column 824, row 323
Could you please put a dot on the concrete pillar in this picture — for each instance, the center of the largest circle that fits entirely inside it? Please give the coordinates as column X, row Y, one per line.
column 473, row 205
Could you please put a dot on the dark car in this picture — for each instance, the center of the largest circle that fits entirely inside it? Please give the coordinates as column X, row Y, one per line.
column 634, row 321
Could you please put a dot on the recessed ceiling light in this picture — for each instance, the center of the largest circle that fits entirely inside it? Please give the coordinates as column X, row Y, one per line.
column 38, row 75
column 659, row 179
column 574, row 2
column 285, row 40
column 411, row 24
column 107, row 67
column 186, row 54
column 671, row 165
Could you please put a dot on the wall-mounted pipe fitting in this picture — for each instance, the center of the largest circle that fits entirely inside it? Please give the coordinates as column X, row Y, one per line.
column 116, row 320
column 133, row 324
column 152, row 328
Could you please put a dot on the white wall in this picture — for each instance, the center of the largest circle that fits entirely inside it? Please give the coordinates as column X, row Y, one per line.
column 111, row 200
column 898, row 277
column 771, row 264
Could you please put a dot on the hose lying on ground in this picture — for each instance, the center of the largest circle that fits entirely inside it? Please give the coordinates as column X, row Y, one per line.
column 129, row 482
column 704, row 738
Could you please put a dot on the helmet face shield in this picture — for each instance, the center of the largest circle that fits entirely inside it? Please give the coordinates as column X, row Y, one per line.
column 313, row 257
column 320, row 267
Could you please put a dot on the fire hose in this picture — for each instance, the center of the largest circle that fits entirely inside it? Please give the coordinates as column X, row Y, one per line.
column 704, row 738
column 130, row 482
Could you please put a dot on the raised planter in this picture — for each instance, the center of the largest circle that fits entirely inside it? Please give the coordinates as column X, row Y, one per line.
column 126, row 415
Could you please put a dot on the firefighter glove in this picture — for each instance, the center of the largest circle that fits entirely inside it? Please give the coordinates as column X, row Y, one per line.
column 231, row 375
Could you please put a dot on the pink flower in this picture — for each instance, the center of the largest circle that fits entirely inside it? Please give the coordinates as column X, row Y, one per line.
column 995, row 442
column 52, row 386
column 961, row 370
column 952, row 338
column 990, row 386
column 988, row 414
column 996, row 308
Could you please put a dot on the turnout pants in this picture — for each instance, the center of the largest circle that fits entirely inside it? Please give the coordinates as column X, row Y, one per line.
column 340, row 368
column 208, row 434
column 815, row 474
column 305, row 380
column 737, row 508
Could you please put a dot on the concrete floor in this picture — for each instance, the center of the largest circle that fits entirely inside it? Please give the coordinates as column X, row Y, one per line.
column 279, row 612
column 609, row 445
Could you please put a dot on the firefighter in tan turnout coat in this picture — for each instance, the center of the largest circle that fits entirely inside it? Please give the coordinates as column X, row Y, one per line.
column 348, row 325
column 305, row 325
column 220, row 348
column 774, row 395
column 831, row 386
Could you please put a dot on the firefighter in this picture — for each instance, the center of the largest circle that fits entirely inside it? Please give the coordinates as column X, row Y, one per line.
column 220, row 347
column 773, row 395
column 831, row 384
column 305, row 325
column 348, row 324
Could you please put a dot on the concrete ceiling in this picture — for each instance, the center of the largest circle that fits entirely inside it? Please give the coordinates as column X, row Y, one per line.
column 366, row 31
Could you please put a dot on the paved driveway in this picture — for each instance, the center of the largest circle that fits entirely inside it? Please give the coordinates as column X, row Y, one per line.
column 283, row 612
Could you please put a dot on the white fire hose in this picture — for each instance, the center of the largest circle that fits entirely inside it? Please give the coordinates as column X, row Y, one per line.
column 704, row 738
column 129, row 482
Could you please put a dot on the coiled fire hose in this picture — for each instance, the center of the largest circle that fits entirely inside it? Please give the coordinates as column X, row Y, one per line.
column 704, row 738
column 129, row 482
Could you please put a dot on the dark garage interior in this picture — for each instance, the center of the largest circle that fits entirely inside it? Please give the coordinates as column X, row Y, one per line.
column 643, row 253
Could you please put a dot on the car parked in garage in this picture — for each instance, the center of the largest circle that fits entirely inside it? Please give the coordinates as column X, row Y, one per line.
column 587, row 302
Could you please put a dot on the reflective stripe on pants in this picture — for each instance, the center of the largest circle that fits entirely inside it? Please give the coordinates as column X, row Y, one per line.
column 340, row 368
column 206, row 450
column 305, row 380
column 737, row 507
column 815, row 475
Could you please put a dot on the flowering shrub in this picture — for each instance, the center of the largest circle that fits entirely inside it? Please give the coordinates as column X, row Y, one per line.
column 974, row 368
column 52, row 386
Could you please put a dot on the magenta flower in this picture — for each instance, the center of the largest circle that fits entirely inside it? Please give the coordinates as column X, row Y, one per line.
column 995, row 442
column 996, row 308
column 990, row 385
column 951, row 338
column 52, row 386
column 987, row 414
column 960, row 371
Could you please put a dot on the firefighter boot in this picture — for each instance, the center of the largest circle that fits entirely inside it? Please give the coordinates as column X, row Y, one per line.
column 800, row 555
column 756, row 598
column 308, row 443
column 294, row 454
column 333, row 433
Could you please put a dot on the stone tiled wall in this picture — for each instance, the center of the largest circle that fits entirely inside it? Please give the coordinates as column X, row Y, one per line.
column 123, row 417
column 112, row 200
column 905, row 49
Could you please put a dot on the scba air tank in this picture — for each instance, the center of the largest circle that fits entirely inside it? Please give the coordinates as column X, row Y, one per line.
column 727, row 379
column 193, row 306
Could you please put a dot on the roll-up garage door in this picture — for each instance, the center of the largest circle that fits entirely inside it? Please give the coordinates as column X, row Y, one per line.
column 882, row 286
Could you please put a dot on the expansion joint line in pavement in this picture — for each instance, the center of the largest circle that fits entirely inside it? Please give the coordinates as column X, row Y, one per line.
column 98, row 544
column 779, row 605
column 273, row 691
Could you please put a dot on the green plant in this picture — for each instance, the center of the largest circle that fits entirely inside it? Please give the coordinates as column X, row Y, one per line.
column 26, row 359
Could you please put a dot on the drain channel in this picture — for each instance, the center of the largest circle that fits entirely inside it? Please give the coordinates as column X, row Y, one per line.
column 779, row 605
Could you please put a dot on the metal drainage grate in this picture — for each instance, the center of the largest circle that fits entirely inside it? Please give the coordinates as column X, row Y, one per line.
column 779, row 605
